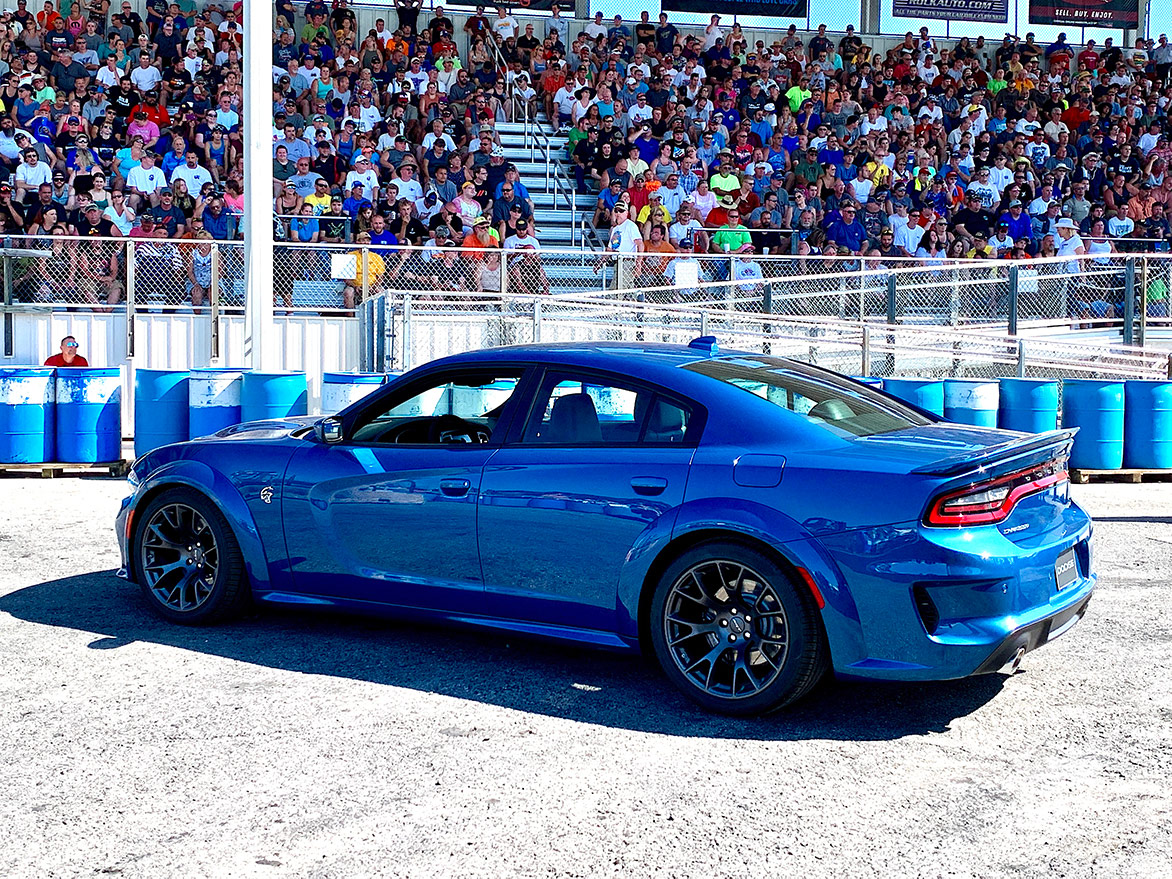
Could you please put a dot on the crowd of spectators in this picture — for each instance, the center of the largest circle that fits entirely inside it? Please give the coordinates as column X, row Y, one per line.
column 117, row 125
column 108, row 119
column 113, row 124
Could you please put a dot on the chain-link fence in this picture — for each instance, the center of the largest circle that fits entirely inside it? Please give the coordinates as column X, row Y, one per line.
column 1098, row 290
column 416, row 329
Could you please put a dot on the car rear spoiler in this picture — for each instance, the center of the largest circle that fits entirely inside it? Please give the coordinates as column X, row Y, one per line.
column 1056, row 442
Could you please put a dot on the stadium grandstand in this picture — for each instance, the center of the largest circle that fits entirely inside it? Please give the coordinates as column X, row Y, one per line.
column 481, row 148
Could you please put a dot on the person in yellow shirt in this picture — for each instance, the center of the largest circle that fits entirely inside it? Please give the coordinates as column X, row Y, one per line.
column 320, row 197
column 651, row 213
column 369, row 270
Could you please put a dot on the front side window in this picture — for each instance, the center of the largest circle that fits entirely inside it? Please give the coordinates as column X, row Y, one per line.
column 833, row 402
column 451, row 408
column 583, row 410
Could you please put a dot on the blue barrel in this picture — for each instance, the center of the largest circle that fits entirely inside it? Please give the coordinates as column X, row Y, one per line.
column 869, row 380
column 89, row 414
column 160, row 408
column 340, row 389
column 1096, row 408
column 27, row 415
column 927, row 393
column 1147, row 424
column 1028, row 404
column 213, row 397
column 971, row 401
column 272, row 395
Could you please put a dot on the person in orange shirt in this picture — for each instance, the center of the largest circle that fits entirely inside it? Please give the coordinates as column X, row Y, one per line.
column 482, row 237
column 47, row 16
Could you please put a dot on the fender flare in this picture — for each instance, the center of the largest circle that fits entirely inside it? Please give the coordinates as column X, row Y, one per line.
column 759, row 526
column 222, row 494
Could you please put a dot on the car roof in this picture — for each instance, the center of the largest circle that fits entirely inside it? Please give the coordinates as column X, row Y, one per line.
column 648, row 358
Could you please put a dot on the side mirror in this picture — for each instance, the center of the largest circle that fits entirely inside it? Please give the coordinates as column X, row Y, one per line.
column 328, row 430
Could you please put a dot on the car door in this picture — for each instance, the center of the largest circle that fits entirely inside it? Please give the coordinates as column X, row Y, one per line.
column 600, row 465
column 389, row 514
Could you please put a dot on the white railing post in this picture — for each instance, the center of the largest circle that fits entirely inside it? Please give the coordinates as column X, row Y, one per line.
column 407, row 346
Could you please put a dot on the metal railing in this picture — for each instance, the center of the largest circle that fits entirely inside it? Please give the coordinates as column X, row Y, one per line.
column 1124, row 296
column 416, row 329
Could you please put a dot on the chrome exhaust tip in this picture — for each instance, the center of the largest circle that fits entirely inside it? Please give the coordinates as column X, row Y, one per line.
column 1017, row 658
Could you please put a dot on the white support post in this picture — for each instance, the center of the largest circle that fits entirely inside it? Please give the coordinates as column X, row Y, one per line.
column 259, row 341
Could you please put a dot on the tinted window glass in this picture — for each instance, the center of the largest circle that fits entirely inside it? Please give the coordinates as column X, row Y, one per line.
column 451, row 409
column 577, row 411
column 837, row 404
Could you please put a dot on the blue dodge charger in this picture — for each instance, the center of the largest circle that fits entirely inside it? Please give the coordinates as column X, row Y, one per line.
column 749, row 521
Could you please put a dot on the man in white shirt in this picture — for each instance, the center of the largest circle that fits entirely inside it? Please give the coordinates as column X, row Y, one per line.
column 146, row 76
column 409, row 187
column 192, row 173
column 145, row 181
column 31, row 173
column 364, row 174
column 505, row 25
column 596, row 28
column 625, row 240
column 983, row 189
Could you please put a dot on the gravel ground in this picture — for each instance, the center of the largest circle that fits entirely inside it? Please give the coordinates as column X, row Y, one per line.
column 293, row 746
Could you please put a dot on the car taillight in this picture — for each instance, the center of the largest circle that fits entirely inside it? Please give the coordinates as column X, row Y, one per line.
column 990, row 502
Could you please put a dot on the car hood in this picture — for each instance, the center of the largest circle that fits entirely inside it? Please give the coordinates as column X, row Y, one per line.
column 270, row 429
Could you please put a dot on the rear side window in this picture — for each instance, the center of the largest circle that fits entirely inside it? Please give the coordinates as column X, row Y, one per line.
column 837, row 404
column 582, row 410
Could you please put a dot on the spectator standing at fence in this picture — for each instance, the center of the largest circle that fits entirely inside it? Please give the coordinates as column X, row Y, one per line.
column 68, row 355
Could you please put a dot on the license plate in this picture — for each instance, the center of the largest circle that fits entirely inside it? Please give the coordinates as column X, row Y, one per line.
column 1065, row 570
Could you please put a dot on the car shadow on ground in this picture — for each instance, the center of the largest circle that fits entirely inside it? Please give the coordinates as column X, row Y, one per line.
column 589, row 686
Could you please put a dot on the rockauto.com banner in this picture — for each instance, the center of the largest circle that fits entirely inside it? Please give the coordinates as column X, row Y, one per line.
column 953, row 10
column 777, row 8
column 1117, row 14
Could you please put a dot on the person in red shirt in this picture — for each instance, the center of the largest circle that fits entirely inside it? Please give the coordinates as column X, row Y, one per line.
column 68, row 355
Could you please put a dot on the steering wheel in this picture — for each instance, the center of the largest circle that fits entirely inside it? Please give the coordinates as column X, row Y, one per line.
column 453, row 429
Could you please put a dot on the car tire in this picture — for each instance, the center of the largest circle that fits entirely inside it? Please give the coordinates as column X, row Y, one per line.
column 733, row 630
column 187, row 560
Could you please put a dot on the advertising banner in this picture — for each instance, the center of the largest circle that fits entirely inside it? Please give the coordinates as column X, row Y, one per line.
column 996, row 11
column 777, row 8
column 1116, row 14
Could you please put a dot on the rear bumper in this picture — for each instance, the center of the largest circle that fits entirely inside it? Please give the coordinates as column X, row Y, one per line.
column 1031, row 637
column 940, row 604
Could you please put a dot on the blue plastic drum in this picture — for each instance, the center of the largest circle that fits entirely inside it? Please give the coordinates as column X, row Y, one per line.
column 213, row 397
column 1028, row 404
column 272, row 395
column 27, row 415
column 1096, row 408
column 160, row 408
column 89, row 414
column 1147, row 425
column 971, row 401
column 340, row 389
column 926, row 393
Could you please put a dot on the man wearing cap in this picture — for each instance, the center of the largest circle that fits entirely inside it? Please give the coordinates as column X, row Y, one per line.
column 363, row 173
column 91, row 221
column 168, row 216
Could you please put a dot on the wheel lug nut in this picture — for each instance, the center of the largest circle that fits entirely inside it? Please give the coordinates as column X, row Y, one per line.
column 748, row 619
column 733, row 611
column 732, row 637
column 724, row 622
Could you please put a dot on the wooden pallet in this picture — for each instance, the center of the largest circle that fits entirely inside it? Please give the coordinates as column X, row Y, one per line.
column 1134, row 476
column 50, row 470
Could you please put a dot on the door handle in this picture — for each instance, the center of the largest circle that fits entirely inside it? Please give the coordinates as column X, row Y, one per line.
column 648, row 485
column 455, row 487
